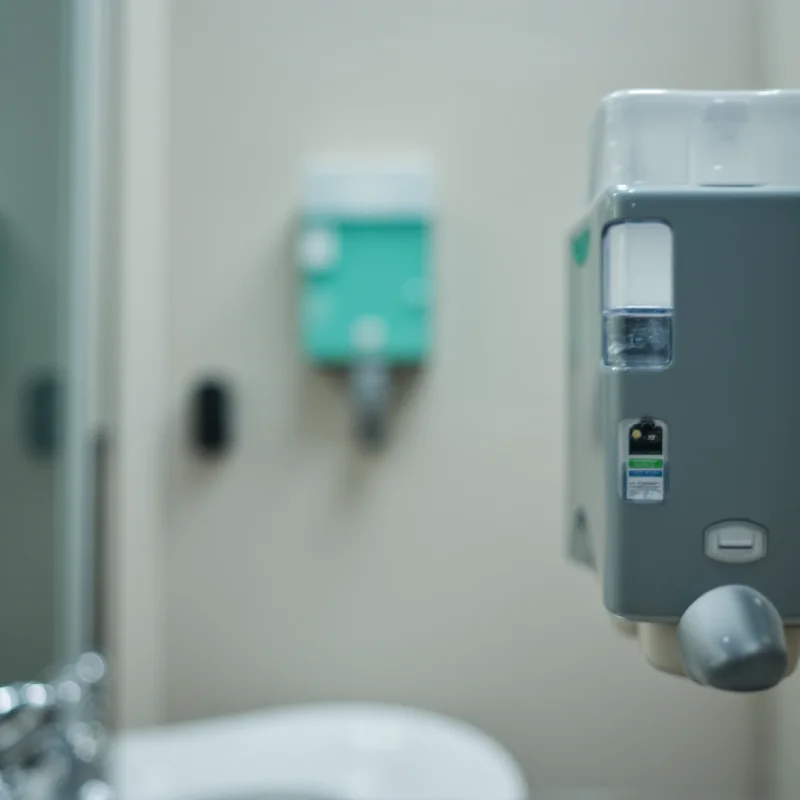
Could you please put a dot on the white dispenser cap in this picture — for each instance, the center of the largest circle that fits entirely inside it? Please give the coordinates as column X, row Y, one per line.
column 687, row 138
column 367, row 188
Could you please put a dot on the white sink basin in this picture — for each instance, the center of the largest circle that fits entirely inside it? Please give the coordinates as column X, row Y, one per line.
column 324, row 752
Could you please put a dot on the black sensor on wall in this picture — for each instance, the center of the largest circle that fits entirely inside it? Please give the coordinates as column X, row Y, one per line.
column 212, row 424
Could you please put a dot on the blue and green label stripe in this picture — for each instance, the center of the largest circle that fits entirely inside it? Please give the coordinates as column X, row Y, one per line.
column 646, row 468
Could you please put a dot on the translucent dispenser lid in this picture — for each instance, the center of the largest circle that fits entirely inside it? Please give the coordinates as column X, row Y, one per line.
column 687, row 138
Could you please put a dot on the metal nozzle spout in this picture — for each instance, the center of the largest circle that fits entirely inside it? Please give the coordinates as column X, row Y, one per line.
column 370, row 385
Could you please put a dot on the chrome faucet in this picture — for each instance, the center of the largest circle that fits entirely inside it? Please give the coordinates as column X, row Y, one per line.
column 52, row 739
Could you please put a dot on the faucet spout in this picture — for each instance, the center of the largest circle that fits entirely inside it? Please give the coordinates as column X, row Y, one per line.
column 53, row 732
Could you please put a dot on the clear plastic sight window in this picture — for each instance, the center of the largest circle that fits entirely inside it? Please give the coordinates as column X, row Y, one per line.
column 637, row 296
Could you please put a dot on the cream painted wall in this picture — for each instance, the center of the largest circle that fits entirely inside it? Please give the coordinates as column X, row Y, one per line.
column 434, row 574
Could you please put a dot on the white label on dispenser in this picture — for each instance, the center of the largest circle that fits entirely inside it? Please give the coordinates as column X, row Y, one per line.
column 645, row 480
column 643, row 460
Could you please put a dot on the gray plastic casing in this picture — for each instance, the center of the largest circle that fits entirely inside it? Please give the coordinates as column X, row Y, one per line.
column 730, row 398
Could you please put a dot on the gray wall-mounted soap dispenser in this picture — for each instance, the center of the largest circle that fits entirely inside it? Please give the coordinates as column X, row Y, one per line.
column 683, row 286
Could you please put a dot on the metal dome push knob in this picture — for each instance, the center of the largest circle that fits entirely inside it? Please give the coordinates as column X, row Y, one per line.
column 732, row 638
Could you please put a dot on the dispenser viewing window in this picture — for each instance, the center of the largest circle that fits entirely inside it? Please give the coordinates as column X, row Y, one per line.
column 637, row 295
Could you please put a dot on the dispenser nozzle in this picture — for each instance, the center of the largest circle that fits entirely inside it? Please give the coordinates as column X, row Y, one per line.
column 370, row 384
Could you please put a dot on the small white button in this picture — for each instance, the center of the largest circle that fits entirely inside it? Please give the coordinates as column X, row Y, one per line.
column 319, row 249
column 368, row 335
column 736, row 537
column 736, row 542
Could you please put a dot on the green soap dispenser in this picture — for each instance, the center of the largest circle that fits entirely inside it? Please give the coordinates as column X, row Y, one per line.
column 365, row 261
